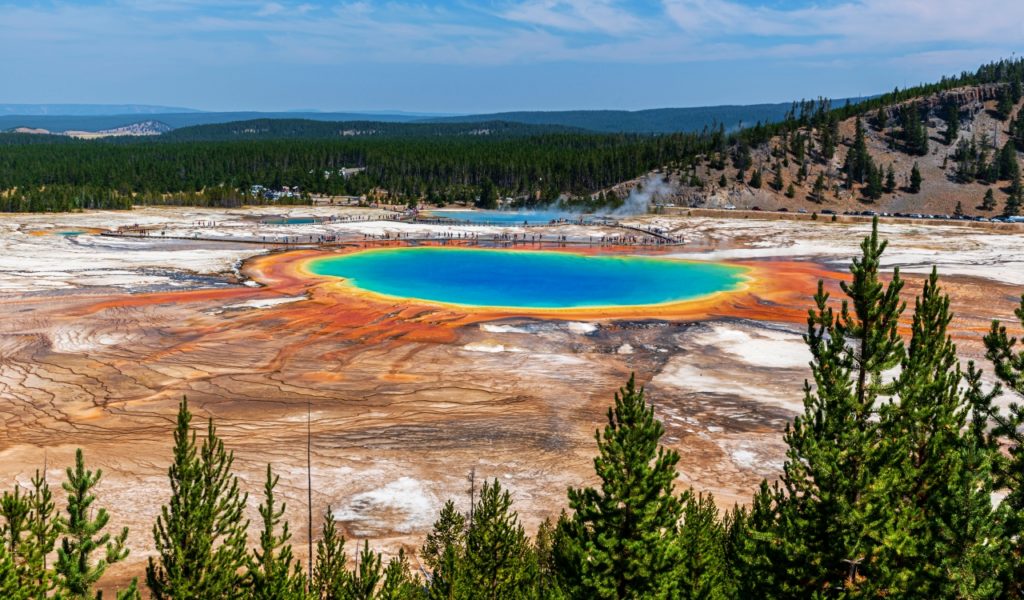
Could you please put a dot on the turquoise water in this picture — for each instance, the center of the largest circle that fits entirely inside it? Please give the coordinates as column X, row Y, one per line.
column 70, row 233
column 528, row 279
column 507, row 217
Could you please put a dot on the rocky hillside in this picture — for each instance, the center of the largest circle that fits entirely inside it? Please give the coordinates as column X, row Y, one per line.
column 142, row 128
column 797, row 169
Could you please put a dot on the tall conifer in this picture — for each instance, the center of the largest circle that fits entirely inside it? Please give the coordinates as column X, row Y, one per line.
column 399, row 582
column 915, row 179
column 77, row 568
column 701, row 568
column 499, row 562
column 932, row 511
column 362, row 581
column 1008, row 361
column 200, row 535
column 42, row 535
column 274, row 573
column 752, row 546
column 329, row 571
column 621, row 539
column 449, row 531
column 821, row 520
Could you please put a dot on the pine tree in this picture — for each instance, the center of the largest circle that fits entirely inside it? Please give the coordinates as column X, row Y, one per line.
column 829, row 133
column 16, row 512
column 1015, row 197
column 818, row 191
column 620, row 541
column 778, row 183
column 17, row 578
column 329, row 571
column 1004, row 105
column 752, row 546
column 77, row 568
column 10, row 584
column 488, row 198
column 42, row 535
column 544, row 549
column 722, row 182
column 915, row 179
column 890, row 179
column 274, row 574
column 989, row 201
column 826, row 472
column 1006, row 162
column 200, row 534
column 399, row 583
column 1017, row 131
column 952, row 117
column 958, row 211
column 881, row 118
column 701, row 569
column 361, row 583
column 741, row 158
column 790, row 191
column 915, row 134
column 934, row 532
column 858, row 159
column 873, row 190
column 449, row 531
column 28, row 534
column 498, row 562
column 443, row 551
column 970, row 161
column 755, row 179
column 1008, row 363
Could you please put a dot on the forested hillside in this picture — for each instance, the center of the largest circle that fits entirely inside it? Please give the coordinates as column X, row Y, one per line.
column 441, row 168
column 951, row 148
column 259, row 129
column 657, row 120
column 58, row 122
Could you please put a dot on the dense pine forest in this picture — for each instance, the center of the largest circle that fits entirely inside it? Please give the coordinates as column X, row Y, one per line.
column 216, row 165
column 450, row 167
column 899, row 486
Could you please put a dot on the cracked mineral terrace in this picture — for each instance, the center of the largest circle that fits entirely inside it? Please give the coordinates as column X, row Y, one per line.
column 101, row 336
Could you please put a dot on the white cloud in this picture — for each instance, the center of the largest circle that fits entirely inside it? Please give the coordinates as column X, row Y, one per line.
column 270, row 9
column 603, row 16
column 939, row 34
column 861, row 22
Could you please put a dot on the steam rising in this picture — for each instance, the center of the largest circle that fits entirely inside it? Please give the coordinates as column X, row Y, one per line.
column 640, row 197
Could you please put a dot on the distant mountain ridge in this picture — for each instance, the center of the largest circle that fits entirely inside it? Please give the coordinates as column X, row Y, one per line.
column 648, row 121
column 62, row 123
column 656, row 120
column 94, row 110
column 308, row 129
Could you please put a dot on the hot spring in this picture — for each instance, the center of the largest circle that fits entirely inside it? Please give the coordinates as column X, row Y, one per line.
column 528, row 279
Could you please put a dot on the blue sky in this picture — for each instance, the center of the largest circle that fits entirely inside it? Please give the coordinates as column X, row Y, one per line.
column 455, row 56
